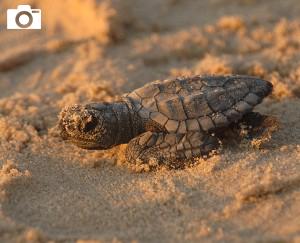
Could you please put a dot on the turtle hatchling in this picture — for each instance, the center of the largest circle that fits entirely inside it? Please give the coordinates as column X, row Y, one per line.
column 166, row 121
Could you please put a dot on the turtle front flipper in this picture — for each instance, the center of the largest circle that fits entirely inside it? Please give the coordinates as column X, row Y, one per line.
column 172, row 149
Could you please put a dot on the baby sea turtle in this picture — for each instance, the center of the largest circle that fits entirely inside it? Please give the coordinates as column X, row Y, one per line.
column 171, row 120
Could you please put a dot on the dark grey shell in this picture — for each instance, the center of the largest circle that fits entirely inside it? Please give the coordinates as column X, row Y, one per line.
column 198, row 103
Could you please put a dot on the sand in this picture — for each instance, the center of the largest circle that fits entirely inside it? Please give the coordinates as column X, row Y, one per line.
column 52, row 191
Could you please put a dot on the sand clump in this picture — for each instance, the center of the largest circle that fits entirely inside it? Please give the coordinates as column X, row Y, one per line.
column 100, row 19
column 52, row 191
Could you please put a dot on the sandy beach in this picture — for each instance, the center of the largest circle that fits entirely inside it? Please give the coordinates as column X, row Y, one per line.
column 96, row 50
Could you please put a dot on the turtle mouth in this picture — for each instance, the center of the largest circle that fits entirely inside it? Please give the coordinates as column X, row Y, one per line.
column 85, row 144
column 78, row 141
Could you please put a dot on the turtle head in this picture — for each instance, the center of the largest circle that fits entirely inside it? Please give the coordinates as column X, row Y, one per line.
column 89, row 126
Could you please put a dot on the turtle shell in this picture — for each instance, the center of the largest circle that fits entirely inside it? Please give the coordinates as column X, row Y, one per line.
column 199, row 102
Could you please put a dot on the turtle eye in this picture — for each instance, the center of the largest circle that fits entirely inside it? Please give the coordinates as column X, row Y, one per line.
column 90, row 125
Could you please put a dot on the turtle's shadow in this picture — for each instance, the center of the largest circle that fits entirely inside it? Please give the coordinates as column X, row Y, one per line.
column 254, row 129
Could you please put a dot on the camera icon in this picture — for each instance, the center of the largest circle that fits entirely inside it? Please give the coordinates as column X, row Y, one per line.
column 24, row 18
